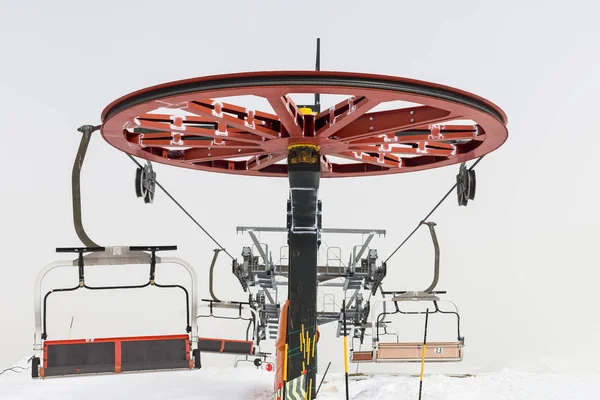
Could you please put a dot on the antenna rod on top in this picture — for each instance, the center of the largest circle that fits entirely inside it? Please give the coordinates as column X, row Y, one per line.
column 318, row 68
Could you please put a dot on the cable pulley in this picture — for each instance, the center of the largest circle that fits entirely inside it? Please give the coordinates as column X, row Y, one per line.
column 145, row 182
column 465, row 185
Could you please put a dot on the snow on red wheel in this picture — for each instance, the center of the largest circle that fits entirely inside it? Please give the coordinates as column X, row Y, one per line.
column 189, row 124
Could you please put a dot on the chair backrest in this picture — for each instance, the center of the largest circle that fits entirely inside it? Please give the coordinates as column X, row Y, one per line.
column 228, row 346
column 408, row 352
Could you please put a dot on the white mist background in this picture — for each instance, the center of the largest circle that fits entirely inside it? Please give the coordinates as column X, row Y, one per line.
column 520, row 261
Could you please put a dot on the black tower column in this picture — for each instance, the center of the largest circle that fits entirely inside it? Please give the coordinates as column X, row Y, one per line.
column 303, row 239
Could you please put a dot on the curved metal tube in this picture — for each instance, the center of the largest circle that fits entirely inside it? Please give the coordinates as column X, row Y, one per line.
column 437, row 310
column 86, row 131
column 37, row 301
column 187, row 300
column 248, row 329
column 44, row 332
column 193, row 290
column 210, row 274
column 239, row 317
column 436, row 246
column 381, row 315
column 460, row 338
column 149, row 283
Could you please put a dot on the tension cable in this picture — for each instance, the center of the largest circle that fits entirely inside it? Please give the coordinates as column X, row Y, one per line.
column 431, row 212
column 184, row 210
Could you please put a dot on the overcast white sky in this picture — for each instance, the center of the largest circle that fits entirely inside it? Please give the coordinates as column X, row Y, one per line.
column 520, row 261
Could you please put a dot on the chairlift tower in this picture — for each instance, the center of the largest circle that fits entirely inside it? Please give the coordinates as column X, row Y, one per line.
column 187, row 124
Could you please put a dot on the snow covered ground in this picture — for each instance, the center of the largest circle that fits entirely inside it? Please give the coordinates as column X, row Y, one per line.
column 251, row 384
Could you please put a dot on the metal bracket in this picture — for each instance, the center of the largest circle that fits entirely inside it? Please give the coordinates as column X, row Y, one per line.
column 261, row 251
column 379, row 232
column 364, row 246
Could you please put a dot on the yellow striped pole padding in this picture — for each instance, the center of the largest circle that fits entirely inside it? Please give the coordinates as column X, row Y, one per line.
column 285, row 359
column 423, row 361
column 306, row 346
column 346, row 354
column 295, row 389
column 307, row 337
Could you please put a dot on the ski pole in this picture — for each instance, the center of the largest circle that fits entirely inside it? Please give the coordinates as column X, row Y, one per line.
column 345, row 349
column 423, row 354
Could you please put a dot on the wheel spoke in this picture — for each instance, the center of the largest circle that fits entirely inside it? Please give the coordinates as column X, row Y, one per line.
column 215, row 111
column 140, row 134
column 245, row 114
column 422, row 134
column 257, row 163
column 326, row 165
column 200, row 155
column 440, row 149
column 197, row 143
column 221, row 131
column 291, row 118
column 261, row 119
column 383, row 160
column 382, row 122
column 342, row 114
column 352, row 169
column 415, row 162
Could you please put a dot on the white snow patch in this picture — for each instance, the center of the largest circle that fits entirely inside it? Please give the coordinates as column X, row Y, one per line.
column 252, row 384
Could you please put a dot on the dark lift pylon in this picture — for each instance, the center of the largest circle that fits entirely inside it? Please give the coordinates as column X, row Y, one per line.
column 303, row 236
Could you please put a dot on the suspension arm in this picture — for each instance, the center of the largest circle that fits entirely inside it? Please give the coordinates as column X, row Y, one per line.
column 210, row 275
column 86, row 131
column 436, row 267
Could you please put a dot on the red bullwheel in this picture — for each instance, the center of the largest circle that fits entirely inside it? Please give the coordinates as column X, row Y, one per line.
column 189, row 124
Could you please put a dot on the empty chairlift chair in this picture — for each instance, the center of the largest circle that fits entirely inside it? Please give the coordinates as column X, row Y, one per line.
column 399, row 351
column 120, row 354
